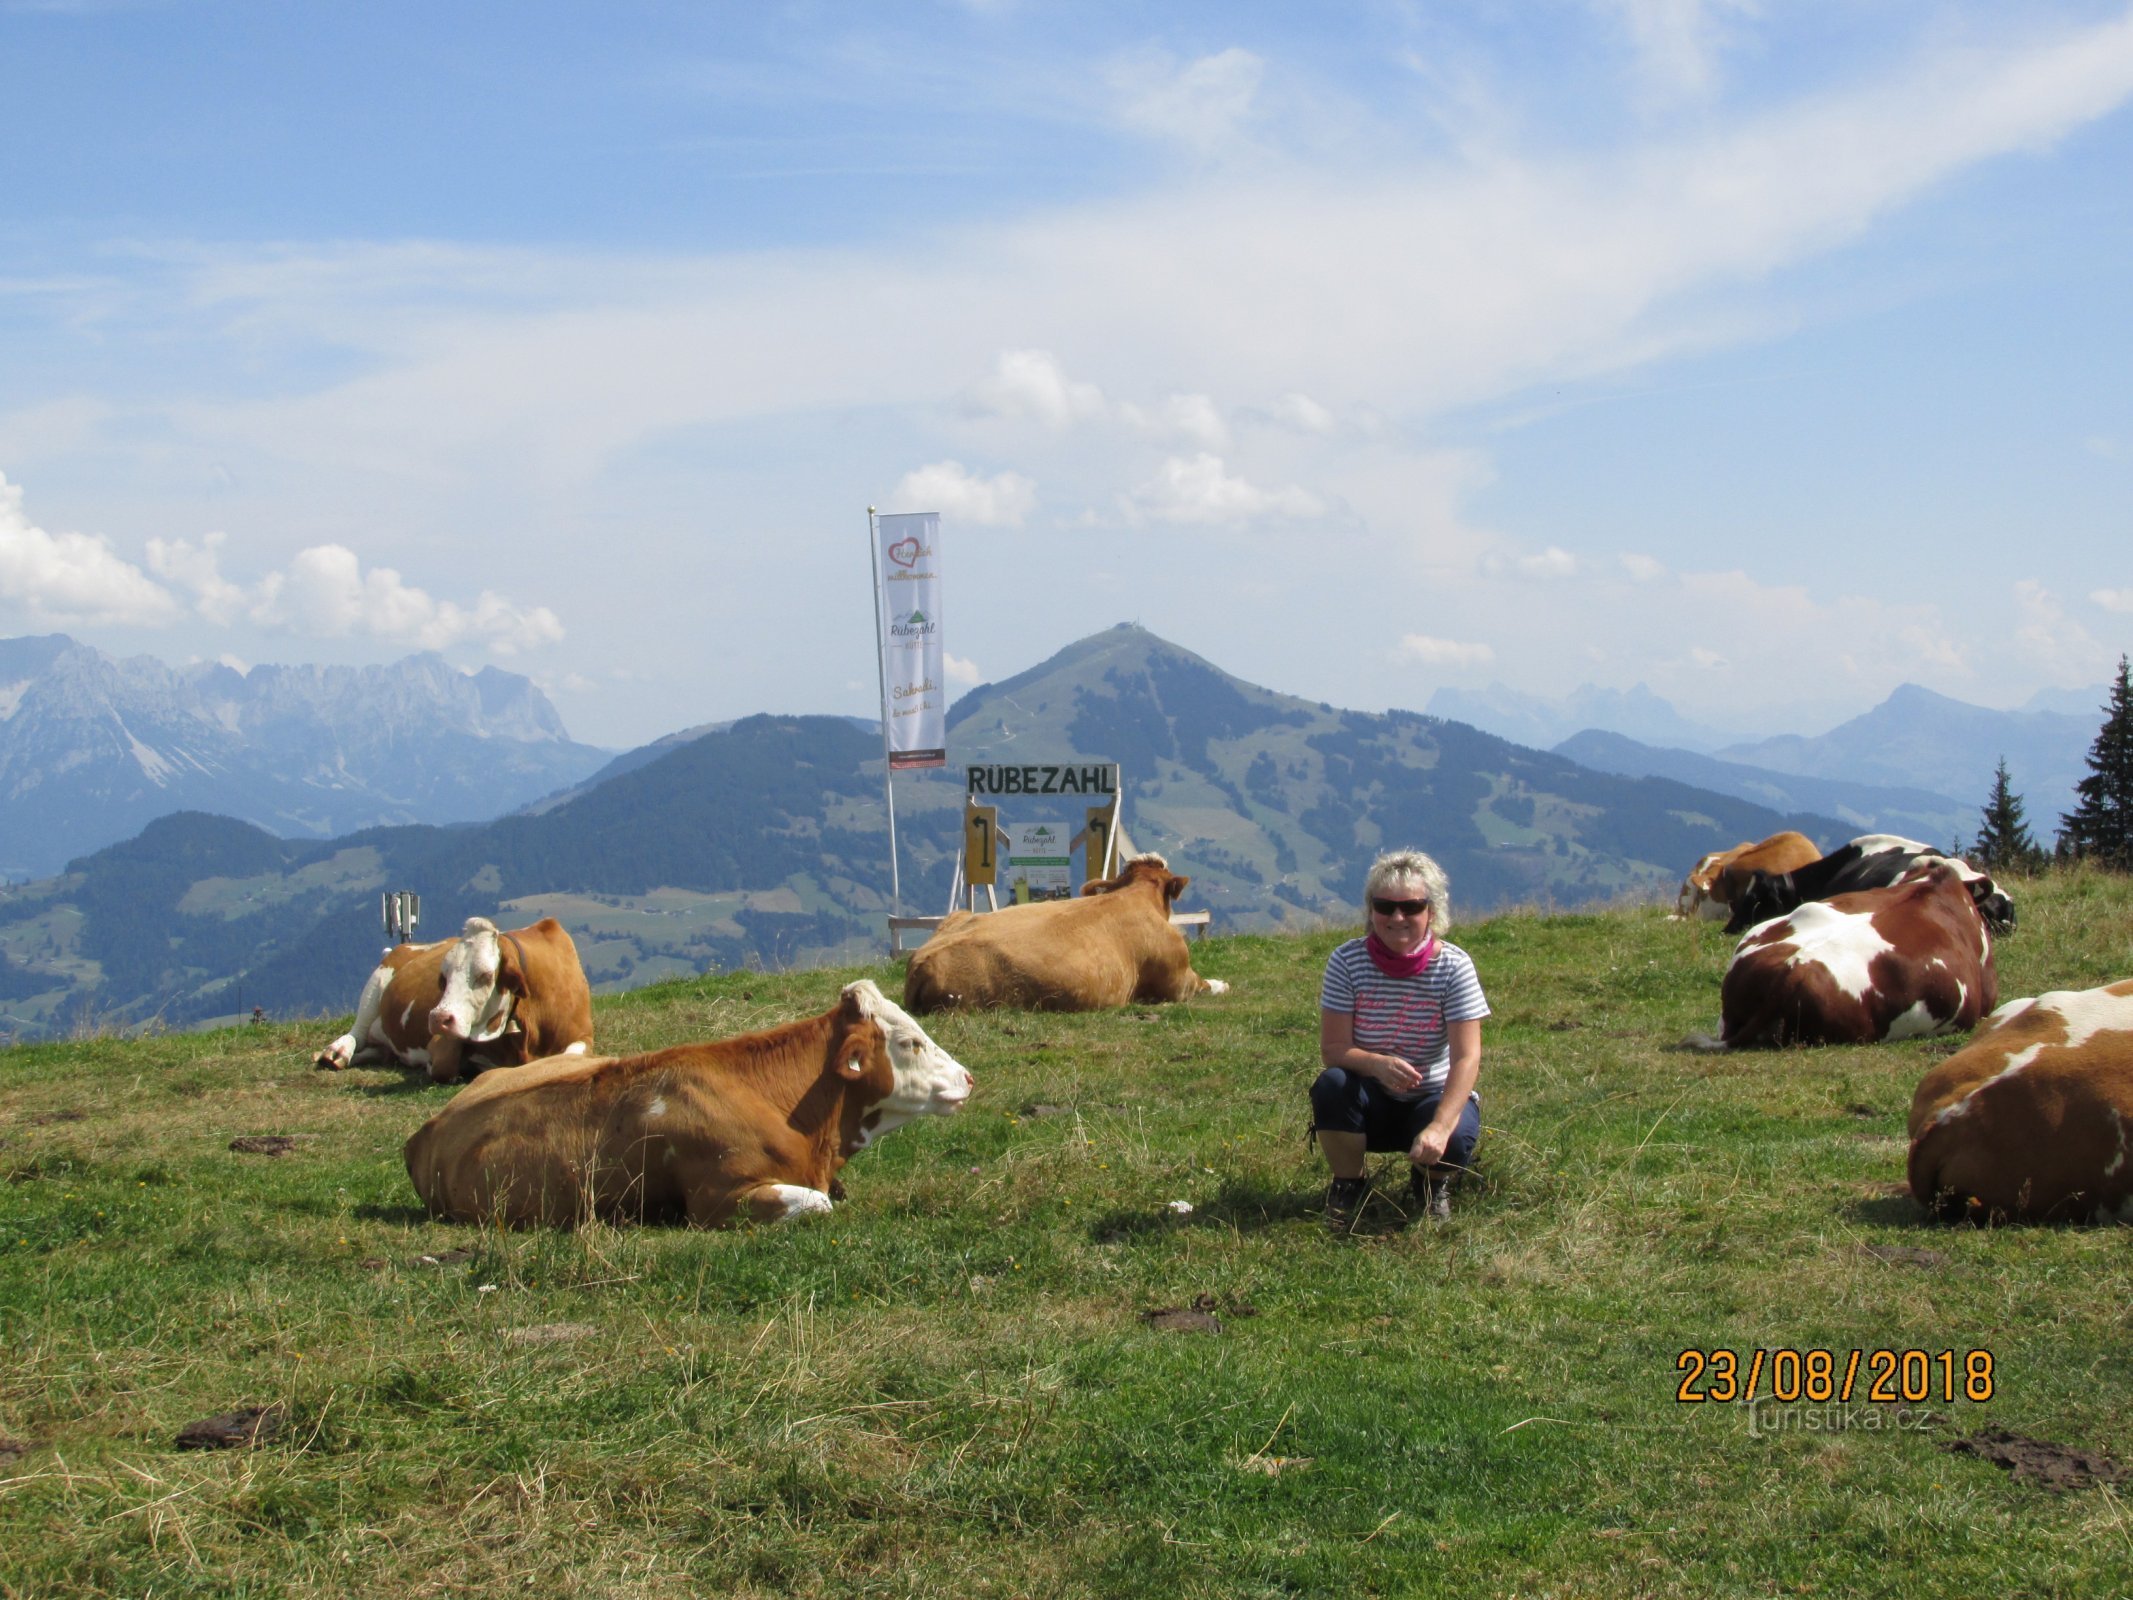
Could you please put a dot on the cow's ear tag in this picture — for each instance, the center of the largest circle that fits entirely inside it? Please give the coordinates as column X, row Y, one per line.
column 854, row 1067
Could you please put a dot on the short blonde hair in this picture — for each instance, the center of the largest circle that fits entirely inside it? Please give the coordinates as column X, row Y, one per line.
column 1411, row 866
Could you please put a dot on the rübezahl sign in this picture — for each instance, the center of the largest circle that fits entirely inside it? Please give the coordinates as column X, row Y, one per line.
column 1077, row 777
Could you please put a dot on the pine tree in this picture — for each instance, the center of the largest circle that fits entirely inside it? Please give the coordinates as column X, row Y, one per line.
column 2100, row 828
column 2003, row 839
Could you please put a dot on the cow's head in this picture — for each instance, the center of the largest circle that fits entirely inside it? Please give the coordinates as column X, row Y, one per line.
column 1754, row 896
column 1150, row 868
column 893, row 1061
column 477, row 983
column 1992, row 902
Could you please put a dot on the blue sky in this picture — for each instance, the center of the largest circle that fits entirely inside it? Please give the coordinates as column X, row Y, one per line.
column 1769, row 354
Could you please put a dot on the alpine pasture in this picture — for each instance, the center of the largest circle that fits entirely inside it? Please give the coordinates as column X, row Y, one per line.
column 954, row 1384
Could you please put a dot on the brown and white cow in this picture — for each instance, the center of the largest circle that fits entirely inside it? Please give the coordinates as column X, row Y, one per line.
column 757, row 1126
column 1114, row 945
column 1902, row 962
column 2033, row 1119
column 486, row 998
column 1704, row 891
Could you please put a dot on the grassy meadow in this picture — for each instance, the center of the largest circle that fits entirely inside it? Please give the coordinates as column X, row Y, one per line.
column 950, row 1386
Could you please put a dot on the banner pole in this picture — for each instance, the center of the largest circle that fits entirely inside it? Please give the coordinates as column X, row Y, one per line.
column 881, row 672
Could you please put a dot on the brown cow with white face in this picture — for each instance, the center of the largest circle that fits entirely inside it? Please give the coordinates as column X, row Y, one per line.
column 2033, row 1119
column 1114, row 945
column 1706, row 891
column 486, row 998
column 1897, row 963
column 756, row 1126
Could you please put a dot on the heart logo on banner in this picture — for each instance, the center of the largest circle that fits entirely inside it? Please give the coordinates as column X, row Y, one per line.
column 904, row 552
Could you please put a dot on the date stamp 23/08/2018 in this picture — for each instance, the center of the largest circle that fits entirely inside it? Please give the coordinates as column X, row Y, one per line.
column 1880, row 1377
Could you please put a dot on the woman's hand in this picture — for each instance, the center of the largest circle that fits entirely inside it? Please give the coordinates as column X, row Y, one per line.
column 1394, row 1073
column 1430, row 1145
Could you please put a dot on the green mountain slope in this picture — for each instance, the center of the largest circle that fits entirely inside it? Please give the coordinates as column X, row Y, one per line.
column 1276, row 805
column 764, row 844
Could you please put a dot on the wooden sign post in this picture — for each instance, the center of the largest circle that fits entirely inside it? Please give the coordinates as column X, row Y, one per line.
column 980, row 866
column 1100, row 838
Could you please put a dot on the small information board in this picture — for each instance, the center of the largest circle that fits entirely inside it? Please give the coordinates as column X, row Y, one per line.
column 1040, row 865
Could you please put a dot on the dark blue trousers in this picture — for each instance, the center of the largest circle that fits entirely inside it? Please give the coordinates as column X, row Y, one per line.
column 1347, row 1102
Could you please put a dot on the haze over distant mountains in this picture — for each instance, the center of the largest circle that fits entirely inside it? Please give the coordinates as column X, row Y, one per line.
column 765, row 843
column 1918, row 763
column 1544, row 723
column 92, row 749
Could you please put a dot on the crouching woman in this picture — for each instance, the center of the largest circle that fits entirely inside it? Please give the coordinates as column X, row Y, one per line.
column 1399, row 1034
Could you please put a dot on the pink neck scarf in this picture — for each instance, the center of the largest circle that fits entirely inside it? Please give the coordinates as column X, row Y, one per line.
column 1393, row 964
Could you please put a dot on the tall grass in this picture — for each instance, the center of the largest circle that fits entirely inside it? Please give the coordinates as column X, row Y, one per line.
column 948, row 1385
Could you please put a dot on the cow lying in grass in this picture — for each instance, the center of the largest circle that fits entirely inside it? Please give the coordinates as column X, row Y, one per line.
column 2033, row 1119
column 757, row 1126
column 486, row 998
column 1871, row 861
column 1897, row 963
column 1114, row 945
column 1706, row 891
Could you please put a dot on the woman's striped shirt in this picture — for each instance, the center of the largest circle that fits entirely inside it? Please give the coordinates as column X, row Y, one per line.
column 1406, row 1017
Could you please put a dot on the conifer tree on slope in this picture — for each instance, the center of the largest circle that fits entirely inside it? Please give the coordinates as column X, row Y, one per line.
column 2100, row 827
column 2003, row 838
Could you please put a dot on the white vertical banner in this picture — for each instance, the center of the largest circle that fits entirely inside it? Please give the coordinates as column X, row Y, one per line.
column 907, row 560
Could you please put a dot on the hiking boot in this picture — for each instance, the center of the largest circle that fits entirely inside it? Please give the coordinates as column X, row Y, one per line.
column 1344, row 1202
column 1432, row 1196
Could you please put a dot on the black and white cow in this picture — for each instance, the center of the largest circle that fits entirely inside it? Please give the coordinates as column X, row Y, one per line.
column 1872, row 861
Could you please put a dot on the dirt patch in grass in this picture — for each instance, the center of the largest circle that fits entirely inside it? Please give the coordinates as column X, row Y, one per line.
column 234, row 1430
column 45, row 1119
column 2038, row 1461
column 270, row 1144
column 1199, row 1317
column 11, row 1448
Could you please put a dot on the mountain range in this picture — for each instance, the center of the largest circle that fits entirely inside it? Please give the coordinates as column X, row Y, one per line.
column 1919, row 763
column 764, row 843
column 93, row 749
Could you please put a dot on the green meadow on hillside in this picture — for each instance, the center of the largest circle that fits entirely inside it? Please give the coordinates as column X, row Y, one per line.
column 951, row 1385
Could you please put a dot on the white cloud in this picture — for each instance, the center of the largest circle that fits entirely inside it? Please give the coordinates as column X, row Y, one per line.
column 2047, row 638
column 1429, row 652
column 70, row 578
column 1031, row 383
column 1001, row 501
column 1553, row 562
column 960, row 671
column 1708, row 660
column 2120, row 600
column 1301, row 412
column 326, row 592
column 1677, row 43
column 1192, row 417
column 1933, row 647
column 1200, row 105
column 1642, row 569
column 1200, row 489
column 196, row 569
